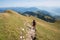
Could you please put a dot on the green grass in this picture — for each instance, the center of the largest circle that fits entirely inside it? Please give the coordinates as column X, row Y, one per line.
column 45, row 34
column 11, row 24
column 10, row 27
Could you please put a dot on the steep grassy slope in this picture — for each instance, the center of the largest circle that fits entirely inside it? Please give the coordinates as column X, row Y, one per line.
column 48, row 31
column 57, row 24
column 44, row 30
column 11, row 23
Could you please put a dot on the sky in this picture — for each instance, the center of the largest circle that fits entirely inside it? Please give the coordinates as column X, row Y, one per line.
column 29, row 3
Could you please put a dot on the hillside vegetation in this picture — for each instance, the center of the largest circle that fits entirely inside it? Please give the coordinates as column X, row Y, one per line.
column 11, row 23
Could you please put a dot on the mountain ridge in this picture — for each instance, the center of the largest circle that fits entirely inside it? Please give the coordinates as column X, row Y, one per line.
column 11, row 23
column 22, row 10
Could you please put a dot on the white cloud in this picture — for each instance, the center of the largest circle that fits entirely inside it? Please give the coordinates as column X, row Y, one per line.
column 35, row 3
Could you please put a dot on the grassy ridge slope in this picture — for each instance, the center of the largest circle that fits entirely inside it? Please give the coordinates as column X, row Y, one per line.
column 45, row 31
column 10, row 26
column 11, row 22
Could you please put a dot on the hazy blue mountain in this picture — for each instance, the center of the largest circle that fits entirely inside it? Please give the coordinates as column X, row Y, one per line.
column 57, row 10
column 19, row 9
column 57, row 17
column 44, row 15
column 31, row 11
column 54, row 10
column 56, row 13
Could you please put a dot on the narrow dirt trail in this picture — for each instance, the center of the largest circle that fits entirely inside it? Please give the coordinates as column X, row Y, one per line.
column 30, row 32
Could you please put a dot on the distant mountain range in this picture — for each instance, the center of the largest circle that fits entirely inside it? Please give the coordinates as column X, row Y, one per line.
column 19, row 9
column 57, row 10
column 22, row 10
column 32, row 11
column 12, row 23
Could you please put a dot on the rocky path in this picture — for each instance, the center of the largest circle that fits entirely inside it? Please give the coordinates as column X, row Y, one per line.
column 30, row 35
column 30, row 32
